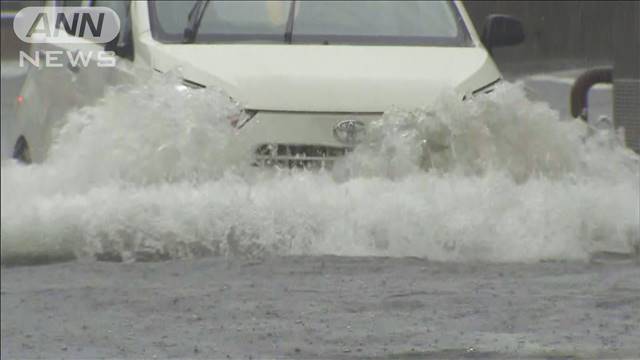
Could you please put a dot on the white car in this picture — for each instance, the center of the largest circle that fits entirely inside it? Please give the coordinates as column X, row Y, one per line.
column 311, row 74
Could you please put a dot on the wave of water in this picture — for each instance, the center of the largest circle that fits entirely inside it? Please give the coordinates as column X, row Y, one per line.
column 147, row 174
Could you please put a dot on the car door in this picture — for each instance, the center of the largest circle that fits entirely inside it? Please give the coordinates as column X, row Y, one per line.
column 78, row 78
column 101, row 70
column 51, row 89
column 91, row 78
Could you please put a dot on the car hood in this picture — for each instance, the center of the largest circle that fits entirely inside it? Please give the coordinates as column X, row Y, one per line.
column 329, row 78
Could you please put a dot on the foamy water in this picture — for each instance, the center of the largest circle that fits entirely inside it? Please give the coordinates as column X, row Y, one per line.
column 147, row 173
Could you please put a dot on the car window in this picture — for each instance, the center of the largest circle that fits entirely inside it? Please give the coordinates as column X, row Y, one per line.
column 246, row 17
column 121, row 8
column 375, row 18
column 349, row 22
column 69, row 3
column 74, row 3
column 172, row 15
column 253, row 19
column 123, row 44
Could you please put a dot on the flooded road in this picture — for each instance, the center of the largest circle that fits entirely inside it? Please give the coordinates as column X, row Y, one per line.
column 497, row 228
column 322, row 307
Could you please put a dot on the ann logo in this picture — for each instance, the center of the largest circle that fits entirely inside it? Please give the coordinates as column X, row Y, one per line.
column 78, row 25
column 55, row 24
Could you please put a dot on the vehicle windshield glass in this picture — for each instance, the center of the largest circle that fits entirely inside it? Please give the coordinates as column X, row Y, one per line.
column 328, row 22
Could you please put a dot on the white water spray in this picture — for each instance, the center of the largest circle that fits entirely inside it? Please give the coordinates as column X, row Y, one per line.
column 146, row 173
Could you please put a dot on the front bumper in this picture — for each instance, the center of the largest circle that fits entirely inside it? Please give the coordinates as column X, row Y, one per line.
column 297, row 139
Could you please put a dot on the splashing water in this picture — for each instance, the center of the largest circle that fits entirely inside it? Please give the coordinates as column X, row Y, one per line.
column 147, row 174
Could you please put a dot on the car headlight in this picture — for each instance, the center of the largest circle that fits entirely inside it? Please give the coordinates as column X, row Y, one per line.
column 190, row 84
column 240, row 119
column 237, row 120
column 485, row 89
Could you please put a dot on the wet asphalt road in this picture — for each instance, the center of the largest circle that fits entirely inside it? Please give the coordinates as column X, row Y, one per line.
column 326, row 307
column 321, row 307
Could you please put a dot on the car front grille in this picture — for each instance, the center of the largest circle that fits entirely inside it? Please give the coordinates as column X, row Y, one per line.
column 298, row 156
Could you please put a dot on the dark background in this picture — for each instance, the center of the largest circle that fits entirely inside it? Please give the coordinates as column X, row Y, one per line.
column 565, row 34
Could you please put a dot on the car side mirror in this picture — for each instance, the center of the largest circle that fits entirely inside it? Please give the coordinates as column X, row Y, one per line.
column 122, row 45
column 501, row 30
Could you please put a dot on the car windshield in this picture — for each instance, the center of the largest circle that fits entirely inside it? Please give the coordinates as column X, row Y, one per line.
column 327, row 22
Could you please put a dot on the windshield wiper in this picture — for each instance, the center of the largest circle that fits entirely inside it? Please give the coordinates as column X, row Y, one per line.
column 195, row 17
column 288, row 35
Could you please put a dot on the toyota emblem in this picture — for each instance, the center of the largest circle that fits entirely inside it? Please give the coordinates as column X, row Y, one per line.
column 349, row 132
